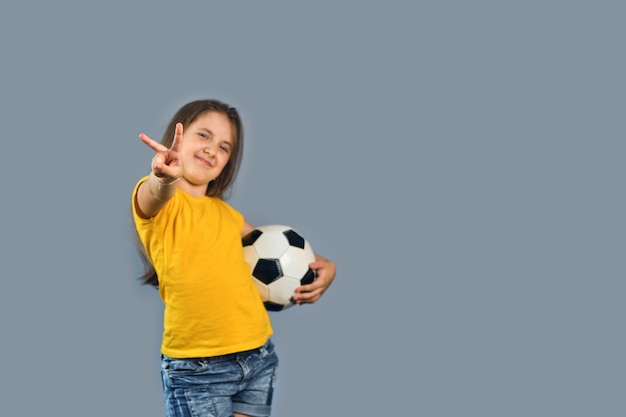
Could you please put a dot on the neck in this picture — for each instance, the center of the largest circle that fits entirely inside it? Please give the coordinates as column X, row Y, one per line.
column 196, row 190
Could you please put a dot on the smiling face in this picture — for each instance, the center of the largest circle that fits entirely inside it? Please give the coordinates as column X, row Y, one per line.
column 207, row 145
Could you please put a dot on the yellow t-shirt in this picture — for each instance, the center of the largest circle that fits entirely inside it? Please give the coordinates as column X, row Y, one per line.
column 211, row 304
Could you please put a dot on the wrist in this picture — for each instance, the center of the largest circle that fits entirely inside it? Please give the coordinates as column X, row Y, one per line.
column 162, row 188
column 166, row 181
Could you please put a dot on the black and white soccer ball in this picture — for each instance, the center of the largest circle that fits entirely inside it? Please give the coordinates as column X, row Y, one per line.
column 279, row 259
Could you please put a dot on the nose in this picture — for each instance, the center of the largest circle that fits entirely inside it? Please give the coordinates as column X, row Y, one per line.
column 210, row 149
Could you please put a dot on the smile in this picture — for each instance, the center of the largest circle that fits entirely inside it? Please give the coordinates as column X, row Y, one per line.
column 206, row 162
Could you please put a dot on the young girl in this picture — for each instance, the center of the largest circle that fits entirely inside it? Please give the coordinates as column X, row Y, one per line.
column 217, row 355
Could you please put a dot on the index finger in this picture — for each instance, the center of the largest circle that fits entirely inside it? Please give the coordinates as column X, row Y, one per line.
column 153, row 144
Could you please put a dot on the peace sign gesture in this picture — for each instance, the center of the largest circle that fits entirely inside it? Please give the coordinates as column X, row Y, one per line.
column 167, row 169
column 166, row 163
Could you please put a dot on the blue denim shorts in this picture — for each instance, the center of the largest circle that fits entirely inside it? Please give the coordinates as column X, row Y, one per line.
column 220, row 385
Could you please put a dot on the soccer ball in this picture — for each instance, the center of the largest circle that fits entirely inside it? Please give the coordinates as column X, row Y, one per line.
column 279, row 261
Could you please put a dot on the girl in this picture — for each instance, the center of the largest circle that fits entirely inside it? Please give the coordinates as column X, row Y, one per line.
column 217, row 355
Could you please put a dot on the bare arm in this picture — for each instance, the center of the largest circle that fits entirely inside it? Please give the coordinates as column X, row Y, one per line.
column 325, row 270
column 153, row 194
column 247, row 228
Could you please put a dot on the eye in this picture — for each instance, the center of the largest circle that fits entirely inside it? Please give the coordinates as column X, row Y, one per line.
column 203, row 135
column 225, row 148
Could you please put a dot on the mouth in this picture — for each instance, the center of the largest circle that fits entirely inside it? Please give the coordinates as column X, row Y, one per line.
column 205, row 162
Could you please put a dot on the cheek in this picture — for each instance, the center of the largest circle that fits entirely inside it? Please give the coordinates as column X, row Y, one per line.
column 185, row 150
column 224, row 159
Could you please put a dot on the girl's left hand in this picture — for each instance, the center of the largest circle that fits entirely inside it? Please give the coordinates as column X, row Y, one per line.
column 325, row 270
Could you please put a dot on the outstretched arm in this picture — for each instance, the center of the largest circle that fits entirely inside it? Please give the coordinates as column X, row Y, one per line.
column 325, row 270
column 166, row 170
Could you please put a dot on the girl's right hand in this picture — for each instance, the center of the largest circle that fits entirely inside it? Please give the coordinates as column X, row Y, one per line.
column 166, row 163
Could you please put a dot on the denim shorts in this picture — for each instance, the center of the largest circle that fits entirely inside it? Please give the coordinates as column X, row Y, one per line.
column 217, row 386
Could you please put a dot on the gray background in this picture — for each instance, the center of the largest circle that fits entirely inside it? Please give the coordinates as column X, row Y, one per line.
column 462, row 162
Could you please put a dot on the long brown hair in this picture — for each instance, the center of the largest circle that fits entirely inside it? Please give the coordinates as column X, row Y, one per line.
column 221, row 186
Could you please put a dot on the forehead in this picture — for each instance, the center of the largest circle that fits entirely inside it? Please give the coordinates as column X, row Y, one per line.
column 217, row 123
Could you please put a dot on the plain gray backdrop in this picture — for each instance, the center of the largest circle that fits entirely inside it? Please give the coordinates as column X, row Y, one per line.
column 461, row 162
